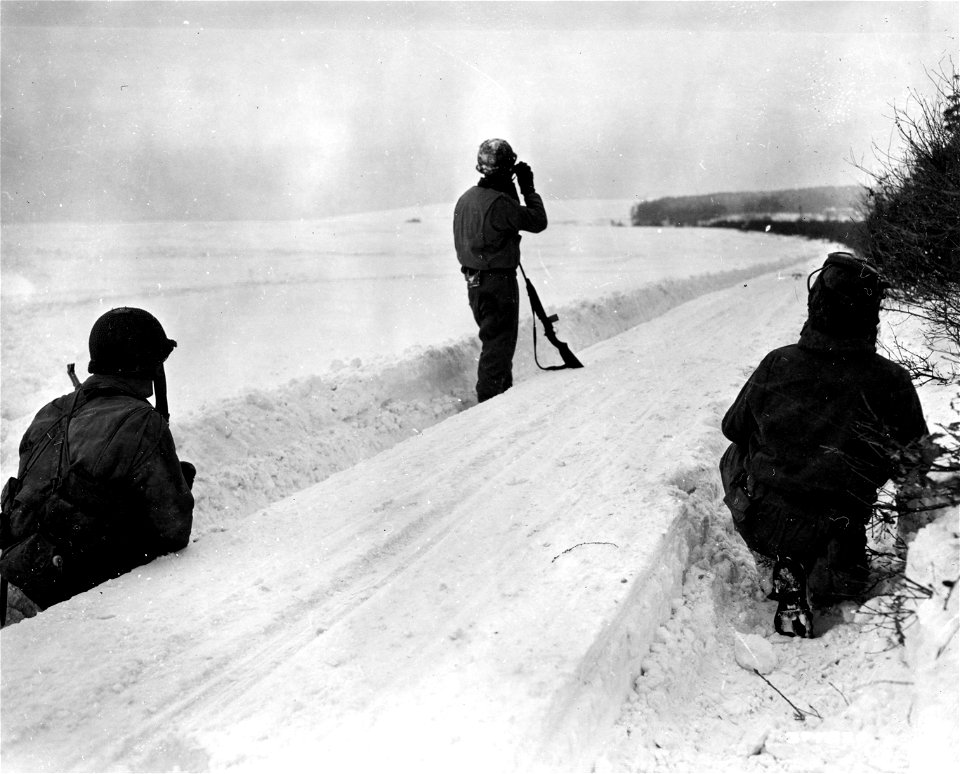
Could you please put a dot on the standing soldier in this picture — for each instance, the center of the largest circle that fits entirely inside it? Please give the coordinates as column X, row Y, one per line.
column 487, row 222
column 100, row 489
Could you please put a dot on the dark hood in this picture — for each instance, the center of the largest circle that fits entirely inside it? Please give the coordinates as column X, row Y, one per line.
column 815, row 340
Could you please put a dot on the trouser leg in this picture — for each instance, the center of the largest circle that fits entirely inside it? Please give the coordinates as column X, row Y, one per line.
column 841, row 570
column 495, row 302
column 828, row 544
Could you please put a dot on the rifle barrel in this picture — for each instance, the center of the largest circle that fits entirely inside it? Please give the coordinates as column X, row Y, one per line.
column 72, row 373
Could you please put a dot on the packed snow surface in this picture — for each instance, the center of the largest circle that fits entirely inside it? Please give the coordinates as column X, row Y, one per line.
column 543, row 581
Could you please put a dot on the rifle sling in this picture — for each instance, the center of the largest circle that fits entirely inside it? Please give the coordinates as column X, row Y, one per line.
column 536, row 305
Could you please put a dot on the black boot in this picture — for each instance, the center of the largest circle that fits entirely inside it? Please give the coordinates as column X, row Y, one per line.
column 793, row 617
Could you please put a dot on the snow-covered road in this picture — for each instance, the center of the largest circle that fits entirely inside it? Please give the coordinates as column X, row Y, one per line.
column 476, row 597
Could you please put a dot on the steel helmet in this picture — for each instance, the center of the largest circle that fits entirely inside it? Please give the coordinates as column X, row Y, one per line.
column 495, row 156
column 129, row 342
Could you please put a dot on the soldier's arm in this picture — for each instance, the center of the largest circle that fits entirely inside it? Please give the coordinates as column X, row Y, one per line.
column 911, row 424
column 159, row 485
column 739, row 423
column 530, row 216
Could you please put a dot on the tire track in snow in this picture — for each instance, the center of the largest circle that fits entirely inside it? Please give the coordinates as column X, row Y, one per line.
column 433, row 550
column 239, row 669
column 316, row 616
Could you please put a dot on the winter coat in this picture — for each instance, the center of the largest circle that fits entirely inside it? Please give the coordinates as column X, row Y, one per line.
column 124, row 456
column 811, row 420
column 811, row 431
column 486, row 226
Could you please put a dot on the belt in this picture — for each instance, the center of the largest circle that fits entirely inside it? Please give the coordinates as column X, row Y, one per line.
column 482, row 272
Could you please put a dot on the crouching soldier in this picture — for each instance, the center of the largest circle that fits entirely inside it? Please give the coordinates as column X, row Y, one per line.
column 812, row 432
column 100, row 489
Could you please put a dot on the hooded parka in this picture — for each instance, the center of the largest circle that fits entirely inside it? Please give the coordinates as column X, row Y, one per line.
column 811, row 432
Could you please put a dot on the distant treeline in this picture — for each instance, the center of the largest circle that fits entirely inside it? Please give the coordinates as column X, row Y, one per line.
column 824, row 202
column 849, row 233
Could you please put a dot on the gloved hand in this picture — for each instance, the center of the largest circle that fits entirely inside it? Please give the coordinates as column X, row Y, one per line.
column 189, row 473
column 524, row 177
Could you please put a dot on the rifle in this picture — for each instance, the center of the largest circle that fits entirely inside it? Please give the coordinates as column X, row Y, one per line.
column 159, row 382
column 569, row 359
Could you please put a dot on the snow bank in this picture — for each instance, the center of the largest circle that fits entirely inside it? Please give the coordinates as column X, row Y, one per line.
column 845, row 701
column 933, row 562
column 267, row 444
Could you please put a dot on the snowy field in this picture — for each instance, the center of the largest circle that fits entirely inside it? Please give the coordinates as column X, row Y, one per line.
column 254, row 305
column 382, row 580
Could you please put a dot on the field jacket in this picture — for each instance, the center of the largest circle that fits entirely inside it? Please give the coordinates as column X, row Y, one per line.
column 123, row 447
column 487, row 225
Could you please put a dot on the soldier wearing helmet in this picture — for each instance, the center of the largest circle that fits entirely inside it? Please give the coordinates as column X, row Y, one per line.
column 487, row 222
column 811, row 432
column 100, row 489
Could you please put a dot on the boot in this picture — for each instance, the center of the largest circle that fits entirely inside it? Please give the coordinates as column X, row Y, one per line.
column 793, row 617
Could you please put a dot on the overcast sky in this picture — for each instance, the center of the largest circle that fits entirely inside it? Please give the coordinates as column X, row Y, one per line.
column 286, row 110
